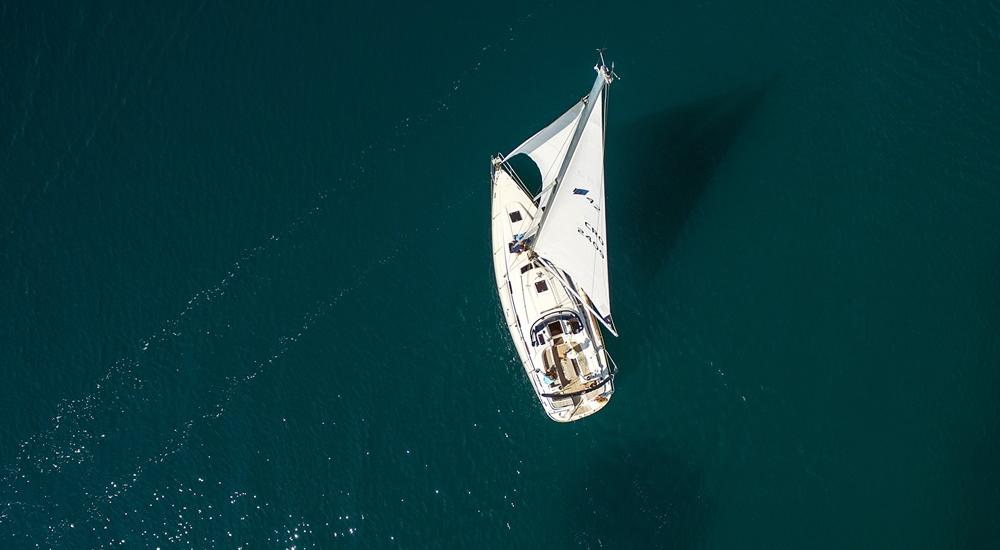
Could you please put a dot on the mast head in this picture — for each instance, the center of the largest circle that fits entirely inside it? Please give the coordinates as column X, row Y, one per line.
column 602, row 68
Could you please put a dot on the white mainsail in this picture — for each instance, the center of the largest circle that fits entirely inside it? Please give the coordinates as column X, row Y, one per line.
column 573, row 235
column 548, row 147
column 571, row 232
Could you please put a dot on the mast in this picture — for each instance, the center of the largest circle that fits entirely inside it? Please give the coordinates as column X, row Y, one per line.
column 604, row 76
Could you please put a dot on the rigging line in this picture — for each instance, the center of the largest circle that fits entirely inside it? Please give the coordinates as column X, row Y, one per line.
column 614, row 370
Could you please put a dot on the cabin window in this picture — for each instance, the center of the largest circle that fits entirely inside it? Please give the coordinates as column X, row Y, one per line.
column 541, row 287
column 527, row 267
column 515, row 216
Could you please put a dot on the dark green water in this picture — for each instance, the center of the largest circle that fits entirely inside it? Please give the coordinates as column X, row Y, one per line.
column 248, row 301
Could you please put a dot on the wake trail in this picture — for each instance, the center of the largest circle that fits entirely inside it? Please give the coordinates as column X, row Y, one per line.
column 99, row 504
column 69, row 440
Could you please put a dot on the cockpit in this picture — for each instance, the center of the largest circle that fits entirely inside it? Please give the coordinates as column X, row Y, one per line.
column 554, row 326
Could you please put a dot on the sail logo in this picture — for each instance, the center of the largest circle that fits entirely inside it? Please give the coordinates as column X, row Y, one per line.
column 583, row 193
column 592, row 235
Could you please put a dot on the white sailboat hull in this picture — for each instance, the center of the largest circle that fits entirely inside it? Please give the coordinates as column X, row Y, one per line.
column 558, row 341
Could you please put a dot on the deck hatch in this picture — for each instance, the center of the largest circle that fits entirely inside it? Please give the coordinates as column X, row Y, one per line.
column 515, row 216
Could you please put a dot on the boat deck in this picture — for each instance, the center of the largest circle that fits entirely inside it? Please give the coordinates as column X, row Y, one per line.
column 567, row 363
column 554, row 338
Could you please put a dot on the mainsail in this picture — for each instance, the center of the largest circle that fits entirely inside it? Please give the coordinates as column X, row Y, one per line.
column 571, row 232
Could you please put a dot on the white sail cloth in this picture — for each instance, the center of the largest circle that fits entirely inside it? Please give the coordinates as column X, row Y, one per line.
column 573, row 235
column 548, row 147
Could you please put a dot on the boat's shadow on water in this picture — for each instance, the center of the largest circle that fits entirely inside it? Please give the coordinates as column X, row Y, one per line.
column 671, row 157
column 641, row 495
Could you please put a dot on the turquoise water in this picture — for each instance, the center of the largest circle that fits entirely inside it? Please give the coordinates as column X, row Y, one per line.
column 248, row 292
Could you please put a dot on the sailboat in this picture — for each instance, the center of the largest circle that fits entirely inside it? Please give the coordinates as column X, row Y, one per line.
column 551, row 261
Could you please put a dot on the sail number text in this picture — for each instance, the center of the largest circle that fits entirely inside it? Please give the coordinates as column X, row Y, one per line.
column 590, row 233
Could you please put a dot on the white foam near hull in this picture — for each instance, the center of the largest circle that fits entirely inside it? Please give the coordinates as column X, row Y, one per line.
column 557, row 339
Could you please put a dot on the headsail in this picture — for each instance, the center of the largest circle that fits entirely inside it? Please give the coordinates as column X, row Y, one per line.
column 572, row 233
column 548, row 147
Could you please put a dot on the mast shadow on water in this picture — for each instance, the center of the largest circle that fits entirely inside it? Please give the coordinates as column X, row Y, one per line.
column 670, row 158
